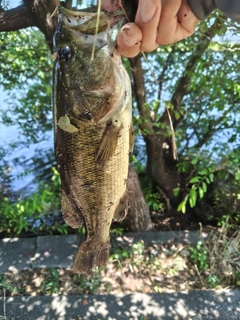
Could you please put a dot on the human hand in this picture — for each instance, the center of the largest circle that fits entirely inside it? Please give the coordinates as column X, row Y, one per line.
column 157, row 22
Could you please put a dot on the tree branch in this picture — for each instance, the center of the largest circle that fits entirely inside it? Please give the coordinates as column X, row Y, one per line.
column 185, row 80
column 164, row 69
column 140, row 92
column 32, row 14
column 212, row 129
column 15, row 19
column 138, row 84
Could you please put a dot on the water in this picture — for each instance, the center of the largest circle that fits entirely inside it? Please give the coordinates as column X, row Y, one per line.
column 21, row 158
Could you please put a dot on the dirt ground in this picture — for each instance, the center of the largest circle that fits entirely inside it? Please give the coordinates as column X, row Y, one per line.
column 142, row 268
column 156, row 268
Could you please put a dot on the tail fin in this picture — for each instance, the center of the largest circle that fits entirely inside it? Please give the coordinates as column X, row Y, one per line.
column 91, row 254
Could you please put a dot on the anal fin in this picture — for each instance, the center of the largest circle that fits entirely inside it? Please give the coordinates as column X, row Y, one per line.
column 121, row 210
column 70, row 213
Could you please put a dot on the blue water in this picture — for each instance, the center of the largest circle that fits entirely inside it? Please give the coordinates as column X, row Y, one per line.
column 25, row 154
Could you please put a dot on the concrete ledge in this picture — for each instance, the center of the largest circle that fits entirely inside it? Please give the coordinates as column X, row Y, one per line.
column 59, row 251
column 56, row 251
column 16, row 253
column 194, row 305
column 156, row 237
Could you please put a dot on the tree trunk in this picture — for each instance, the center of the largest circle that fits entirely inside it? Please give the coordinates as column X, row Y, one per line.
column 160, row 163
column 138, row 216
column 162, row 167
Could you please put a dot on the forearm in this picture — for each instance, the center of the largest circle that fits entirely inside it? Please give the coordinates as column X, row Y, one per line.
column 202, row 8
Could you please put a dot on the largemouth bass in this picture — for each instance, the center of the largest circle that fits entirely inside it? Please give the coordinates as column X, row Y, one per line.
column 92, row 128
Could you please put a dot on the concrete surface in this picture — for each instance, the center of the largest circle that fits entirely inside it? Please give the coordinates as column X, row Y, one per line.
column 17, row 253
column 195, row 305
column 59, row 251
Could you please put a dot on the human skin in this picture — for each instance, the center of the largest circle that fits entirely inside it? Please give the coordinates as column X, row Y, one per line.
column 157, row 22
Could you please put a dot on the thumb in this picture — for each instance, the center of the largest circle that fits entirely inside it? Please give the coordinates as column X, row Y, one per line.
column 129, row 40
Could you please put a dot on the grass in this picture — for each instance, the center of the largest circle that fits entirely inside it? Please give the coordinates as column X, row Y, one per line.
column 217, row 260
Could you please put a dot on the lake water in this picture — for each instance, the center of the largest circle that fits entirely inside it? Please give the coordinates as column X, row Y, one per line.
column 11, row 134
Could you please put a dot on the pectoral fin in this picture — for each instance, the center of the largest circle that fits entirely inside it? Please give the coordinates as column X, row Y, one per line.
column 108, row 145
column 70, row 213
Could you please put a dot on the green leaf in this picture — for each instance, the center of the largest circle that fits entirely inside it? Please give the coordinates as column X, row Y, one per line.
column 201, row 192
column 211, row 177
column 194, row 179
column 192, row 197
column 208, row 181
column 182, row 207
column 176, row 192
column 203, row 172
column 204, row 186
column 194, row 161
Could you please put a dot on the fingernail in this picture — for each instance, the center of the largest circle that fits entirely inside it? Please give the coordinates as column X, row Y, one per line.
column 147, row 10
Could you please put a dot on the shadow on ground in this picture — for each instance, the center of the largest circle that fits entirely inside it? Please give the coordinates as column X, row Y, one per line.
column 194, row 305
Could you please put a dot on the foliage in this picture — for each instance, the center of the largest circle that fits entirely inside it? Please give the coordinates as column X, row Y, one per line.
column 31, row 214
column 135, row 254
column 189, row 81
column 90, row 284
column 200, row 256
column 217, row 259
column 26, row 68
column 198, row 184
column 226, row 195
column 8, row 287
column 120, row 254
column 50, row 284
column 118, row 231
column 148, row 187
column 152, row 197
column 212, row 280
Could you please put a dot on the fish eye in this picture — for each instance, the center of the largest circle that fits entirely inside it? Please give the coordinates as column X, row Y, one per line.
column 65, row 53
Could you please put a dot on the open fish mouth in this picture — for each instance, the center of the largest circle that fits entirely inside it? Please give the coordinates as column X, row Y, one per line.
column 92, row 128
column 90, row 29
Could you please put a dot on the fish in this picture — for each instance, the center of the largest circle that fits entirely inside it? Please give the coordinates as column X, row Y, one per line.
column 93, row 133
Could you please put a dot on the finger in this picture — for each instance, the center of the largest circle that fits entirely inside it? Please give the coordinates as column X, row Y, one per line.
column 129, row 40
column 147, row 19
column 187, row 19
column 176, row 23
column 166, row 31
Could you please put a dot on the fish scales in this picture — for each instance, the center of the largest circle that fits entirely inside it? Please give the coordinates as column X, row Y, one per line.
column 92, row 129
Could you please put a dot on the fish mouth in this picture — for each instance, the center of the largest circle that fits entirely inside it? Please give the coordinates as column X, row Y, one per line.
column 87, row 28
column 85, row 22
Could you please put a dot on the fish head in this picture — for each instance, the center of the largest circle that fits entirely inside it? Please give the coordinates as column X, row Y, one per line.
column 82, row 73
column 74, row 40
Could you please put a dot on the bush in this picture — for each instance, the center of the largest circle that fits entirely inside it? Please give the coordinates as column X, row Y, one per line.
column 32, row 214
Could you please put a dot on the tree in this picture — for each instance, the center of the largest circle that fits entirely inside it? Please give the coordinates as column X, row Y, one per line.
column 193, row 85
